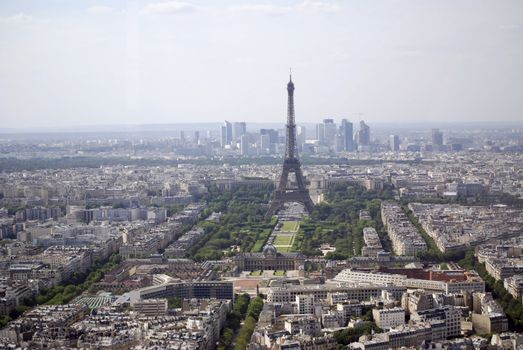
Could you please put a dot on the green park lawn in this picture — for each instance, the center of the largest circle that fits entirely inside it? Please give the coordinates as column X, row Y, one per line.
column 283, row 240
column 257, row 247
column 284, row 249
column 290, row 226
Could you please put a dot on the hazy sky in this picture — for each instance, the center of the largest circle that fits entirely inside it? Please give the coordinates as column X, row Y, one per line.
column 109, row 62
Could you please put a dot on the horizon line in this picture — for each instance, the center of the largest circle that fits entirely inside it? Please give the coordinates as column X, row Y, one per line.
column 129, row 126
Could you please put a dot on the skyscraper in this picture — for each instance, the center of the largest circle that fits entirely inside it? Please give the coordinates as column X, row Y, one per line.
column 364, row 134
column 244, row 145
column 228, row 132
column 223, row 135
column 437, row 137
column 394, row 142
column 265, row 144
column 329, row 132
column 273, row 134
column 347, row 134
column 340, row 142
column 239, row 129
column 320, row 134
column 301, row 136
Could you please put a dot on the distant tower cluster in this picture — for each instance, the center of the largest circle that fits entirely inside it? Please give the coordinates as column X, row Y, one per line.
column 327, row 138
column 330, row 137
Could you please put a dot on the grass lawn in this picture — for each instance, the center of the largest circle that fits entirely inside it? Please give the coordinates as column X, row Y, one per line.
column 283, row 240
column 284, row 249
column 279, row 273
column 256, row 273
column 290, row 226
column 257, row 247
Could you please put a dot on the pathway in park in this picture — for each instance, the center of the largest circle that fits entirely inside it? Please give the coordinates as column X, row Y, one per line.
column 284, row 233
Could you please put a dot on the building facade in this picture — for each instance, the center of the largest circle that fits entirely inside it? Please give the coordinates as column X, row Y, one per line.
column 269, row 259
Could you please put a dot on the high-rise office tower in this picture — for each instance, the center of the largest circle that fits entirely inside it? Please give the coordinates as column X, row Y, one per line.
column 197, row 137
column 228, row 132
column 244, row 145
column 347, row 133
column 437, row 137
column 182, row 135
column 340, row 143
column 394, row 142
column 265, row 143
column 364, row 134
column 320, row 134
column 291, row 164
column 223, row 136
column 301, row 136
column 329, row 132
column 273, row 134
column 239, row 129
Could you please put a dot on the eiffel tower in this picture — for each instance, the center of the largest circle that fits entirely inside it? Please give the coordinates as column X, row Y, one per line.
column 283, row 193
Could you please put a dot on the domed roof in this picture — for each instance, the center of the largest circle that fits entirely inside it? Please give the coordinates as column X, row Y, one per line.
column 269, row 249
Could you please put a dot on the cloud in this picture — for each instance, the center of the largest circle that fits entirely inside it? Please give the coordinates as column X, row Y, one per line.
column 317, row 6
column 305, row 6
column 169, row 7
column 407, row 51
column 510, row 27
column 19, row 18
column 261, row 8
column 99, row 9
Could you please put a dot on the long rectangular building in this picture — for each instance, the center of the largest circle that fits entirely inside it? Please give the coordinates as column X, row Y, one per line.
column 186, row 290
column 288, row 294
column 472, row 282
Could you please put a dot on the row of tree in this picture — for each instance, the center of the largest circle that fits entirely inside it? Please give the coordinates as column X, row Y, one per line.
column 246, row 309
column 253, row 312
column 513, row 307
column 433, row 253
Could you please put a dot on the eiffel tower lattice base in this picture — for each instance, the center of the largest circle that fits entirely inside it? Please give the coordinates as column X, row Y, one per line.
column 284, row 194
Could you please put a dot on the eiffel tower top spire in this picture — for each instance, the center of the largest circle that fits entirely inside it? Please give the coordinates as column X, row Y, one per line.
column 290, row 151
column 290, row 84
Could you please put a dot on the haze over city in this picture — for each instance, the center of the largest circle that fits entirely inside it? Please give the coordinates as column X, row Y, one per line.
column 70, row 63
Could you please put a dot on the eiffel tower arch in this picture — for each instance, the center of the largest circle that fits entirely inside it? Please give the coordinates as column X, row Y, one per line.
column 284, row 193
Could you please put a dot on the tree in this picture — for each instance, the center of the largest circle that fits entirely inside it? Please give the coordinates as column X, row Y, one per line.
column 244, row 336
column 255, row 307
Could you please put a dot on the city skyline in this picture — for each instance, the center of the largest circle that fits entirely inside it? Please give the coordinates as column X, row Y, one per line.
column 155, row 62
